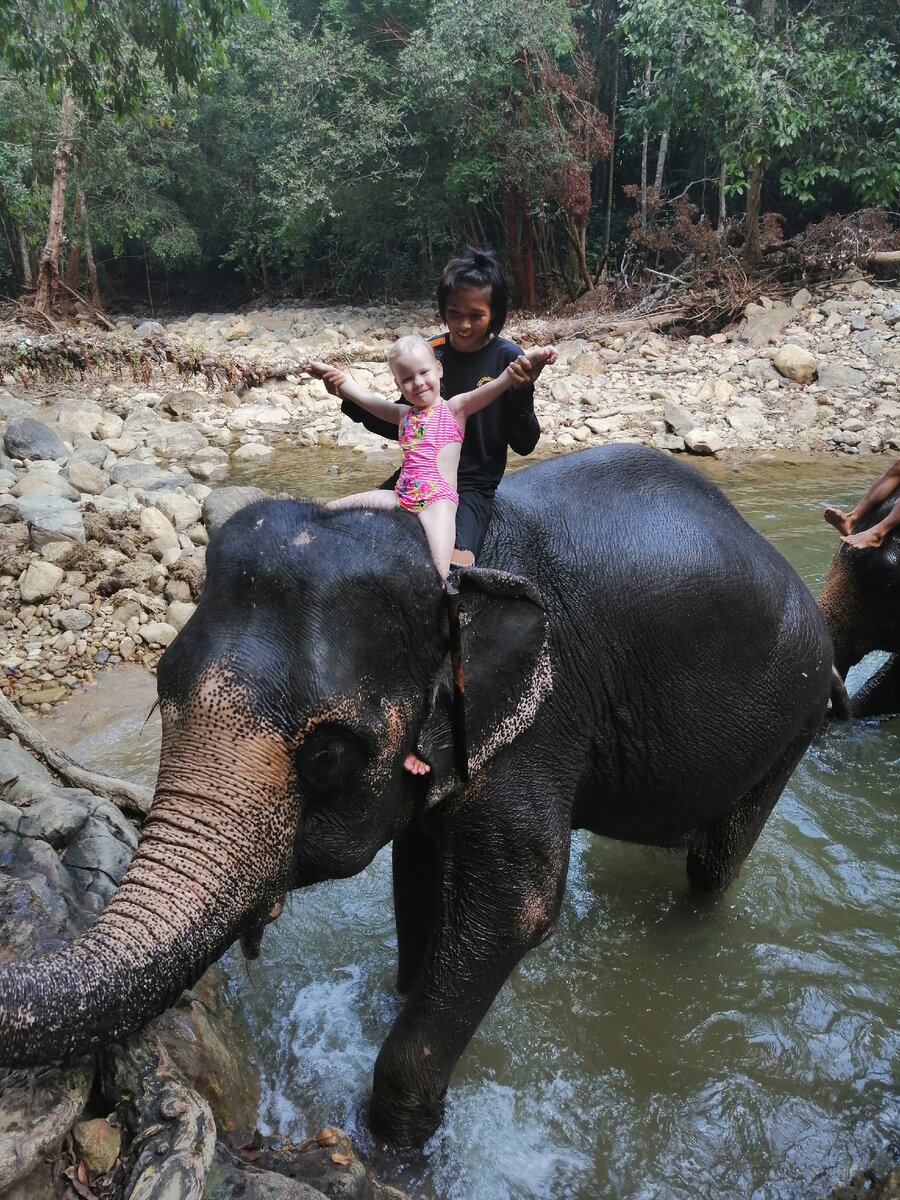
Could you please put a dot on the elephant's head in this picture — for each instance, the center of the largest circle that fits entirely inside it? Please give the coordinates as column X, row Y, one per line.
column 861, row 596
column 315, row 661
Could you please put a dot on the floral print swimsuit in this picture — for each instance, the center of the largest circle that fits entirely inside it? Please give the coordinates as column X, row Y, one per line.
column 423, row 434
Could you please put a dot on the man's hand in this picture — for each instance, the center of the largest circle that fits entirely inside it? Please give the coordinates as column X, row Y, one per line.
column 524, row 370
column 331, row 376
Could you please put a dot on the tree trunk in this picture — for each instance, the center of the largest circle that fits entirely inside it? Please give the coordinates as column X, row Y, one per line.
column 661, row 160
column 513, row 240
column 48, row 268
column 754, row 204
column 25, row 259
column 529, row 296
column 577, row 236
column 73, row 266
column 645, row 144
column 723, row 212
column 610, row 173
column 96, row 298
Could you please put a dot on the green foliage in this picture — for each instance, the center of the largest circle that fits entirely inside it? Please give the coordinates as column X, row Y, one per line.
column 101, row 51
column 799, row 98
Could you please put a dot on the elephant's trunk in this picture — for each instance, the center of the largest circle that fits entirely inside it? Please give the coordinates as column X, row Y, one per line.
column 841, row 604
column 207, row 864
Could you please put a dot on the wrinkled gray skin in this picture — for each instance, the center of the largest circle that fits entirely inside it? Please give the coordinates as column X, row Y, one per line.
column 656, row 679
column 861, row 603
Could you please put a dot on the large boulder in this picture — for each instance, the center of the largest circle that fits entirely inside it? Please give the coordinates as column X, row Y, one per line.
column 224, row 502
column 27, row 438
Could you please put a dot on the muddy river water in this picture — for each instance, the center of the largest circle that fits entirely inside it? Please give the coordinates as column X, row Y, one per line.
column 661, row 1046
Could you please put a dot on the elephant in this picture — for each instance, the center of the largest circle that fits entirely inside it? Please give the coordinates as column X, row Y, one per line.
column 859, row 600
column 637, row 661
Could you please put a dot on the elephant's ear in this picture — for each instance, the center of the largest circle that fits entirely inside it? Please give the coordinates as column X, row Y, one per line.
column 507, row 675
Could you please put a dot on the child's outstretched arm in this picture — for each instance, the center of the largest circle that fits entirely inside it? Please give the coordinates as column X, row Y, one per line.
column 340, row 384
column 467, row 403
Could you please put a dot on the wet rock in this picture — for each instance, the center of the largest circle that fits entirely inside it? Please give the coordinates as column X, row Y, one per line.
column 98, row 1143
column 27, row 438
column 703, row 441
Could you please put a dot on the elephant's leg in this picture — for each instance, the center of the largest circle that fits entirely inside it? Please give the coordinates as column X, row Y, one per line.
column 417, row 875
column 717, row 853
column 880, row 695
column 500, row 896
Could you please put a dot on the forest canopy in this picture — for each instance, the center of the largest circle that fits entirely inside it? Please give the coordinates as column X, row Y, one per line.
column 205, row 150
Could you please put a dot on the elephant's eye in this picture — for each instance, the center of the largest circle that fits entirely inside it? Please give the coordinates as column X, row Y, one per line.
column 327, row 758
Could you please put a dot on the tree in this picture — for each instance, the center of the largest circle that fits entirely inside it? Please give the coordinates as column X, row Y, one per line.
column 102, row 55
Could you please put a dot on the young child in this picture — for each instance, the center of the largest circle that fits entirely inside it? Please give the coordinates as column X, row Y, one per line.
column 431, row 434
column 845, row 523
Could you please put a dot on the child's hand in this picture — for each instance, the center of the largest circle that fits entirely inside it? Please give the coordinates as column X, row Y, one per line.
column 331, row 376
column 524, row 371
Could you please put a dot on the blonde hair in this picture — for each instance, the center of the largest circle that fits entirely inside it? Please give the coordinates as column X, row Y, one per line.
column 406, row 345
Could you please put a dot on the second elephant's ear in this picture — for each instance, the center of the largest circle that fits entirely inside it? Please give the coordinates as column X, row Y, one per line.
column 507, row 675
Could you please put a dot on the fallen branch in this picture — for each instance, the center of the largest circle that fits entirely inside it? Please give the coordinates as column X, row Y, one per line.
column 130, row 797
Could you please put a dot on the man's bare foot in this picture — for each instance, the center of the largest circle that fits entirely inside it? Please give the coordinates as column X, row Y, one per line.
column 414, row 765
column 842, row 521
column 867, row 540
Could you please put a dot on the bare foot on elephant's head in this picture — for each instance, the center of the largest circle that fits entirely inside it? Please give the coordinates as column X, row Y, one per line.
column 840, row 520
column 415, row 765
column 867, row 540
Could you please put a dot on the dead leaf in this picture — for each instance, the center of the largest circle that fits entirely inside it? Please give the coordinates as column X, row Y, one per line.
column 342, row 1160
column 326, row 1136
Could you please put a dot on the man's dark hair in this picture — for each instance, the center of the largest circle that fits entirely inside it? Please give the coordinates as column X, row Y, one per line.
column 476, row 269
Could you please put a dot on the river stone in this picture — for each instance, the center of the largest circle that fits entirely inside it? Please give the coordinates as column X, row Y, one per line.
column 795, row 363
column 800, row 299
column 148, row 478
column 36, row 1112
column 37, row 483
column 158, row 633
column 40, row 581
column 179, row 613
column 86, row 477
column 184, row 404
column 27, row 438
column 223, row 503
column 89, row 451
column 678, row 419
column 11, row 407
column 838, row 378
column 73, row 618
column 98, row 1144
column 51, row 519
column 176, row 440
column 157, row 525
column 183, row 511
column 703, row 441
column 765, row 324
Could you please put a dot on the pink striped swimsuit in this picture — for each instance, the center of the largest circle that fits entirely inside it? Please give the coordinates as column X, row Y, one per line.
column 422, row 435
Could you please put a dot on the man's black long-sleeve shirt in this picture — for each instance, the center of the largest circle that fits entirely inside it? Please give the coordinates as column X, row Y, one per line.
column 507, row 423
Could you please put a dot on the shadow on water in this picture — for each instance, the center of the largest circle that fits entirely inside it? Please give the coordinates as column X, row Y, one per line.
column 661, row 1046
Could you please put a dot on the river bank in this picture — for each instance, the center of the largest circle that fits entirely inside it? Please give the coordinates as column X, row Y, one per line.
column 109, row 488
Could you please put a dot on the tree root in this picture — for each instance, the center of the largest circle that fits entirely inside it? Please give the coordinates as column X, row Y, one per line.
column 130, row 797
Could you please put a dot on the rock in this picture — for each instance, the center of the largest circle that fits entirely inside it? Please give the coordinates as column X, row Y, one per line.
column 27, row 438
column 184, row 404
column 158, row 633
column 98, row 1143
column 40, row 581
column 146, row 477
column 179, row 613
column 176, row 440
column 765, row 324
column 73, row 618
column 252, row 452
column 793, row 362
column 51, row 519
column 745, row 421
column 800, row 299
column 222, row 503
column 678, row 419
column 158, row 526
column 42, row 483
column 10, row 407
column 838, row 378
column 238, row 331
column 149, row 329
column 703, row 441
column 857, row 322
column 86, row 477
column 50, row 695
column 183, row 511
column 587, row 363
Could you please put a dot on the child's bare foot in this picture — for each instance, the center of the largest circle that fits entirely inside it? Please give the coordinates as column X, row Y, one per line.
column 414, row 765
column 842, row 521
column 867, row 540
